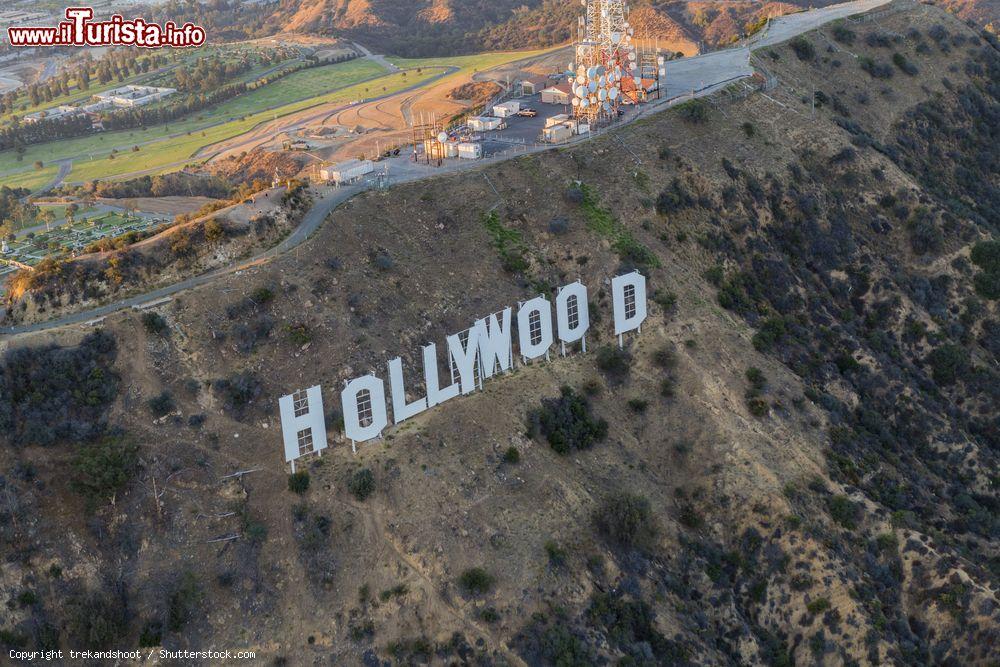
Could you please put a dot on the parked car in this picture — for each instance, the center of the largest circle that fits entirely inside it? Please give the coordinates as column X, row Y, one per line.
column 527, row 113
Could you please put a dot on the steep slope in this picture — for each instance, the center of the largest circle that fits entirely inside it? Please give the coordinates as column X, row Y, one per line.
column 800, row 463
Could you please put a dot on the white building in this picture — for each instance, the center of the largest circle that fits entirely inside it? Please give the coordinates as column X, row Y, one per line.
column 554, row 134
column 134, row 96
column 61, row 111
column 556, row 120
column 506, row 109
column 470, row 150
column 485, row 123
column 346, row 172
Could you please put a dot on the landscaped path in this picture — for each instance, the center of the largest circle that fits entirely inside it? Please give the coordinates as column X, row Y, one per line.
column 689, row 77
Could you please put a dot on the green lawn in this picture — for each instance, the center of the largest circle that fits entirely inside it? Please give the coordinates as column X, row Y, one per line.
column 31, row 179
column 470, row 63
column 303, row 86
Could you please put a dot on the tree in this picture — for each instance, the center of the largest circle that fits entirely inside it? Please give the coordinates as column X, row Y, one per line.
column 71, row 211
column 39, row 164
column 48, row 216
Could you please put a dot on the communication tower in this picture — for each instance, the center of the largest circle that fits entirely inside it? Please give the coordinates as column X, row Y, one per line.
column 608, row 71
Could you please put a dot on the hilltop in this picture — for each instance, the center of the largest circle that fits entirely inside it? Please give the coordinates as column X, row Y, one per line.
column 445, row 27
column 801, row 449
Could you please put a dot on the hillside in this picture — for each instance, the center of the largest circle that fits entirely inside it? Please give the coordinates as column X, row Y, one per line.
column 446, row 27
column 801, row 452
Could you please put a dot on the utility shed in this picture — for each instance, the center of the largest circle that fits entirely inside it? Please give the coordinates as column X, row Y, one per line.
column 347, row 172
column 470, row 150
column 484, row 123
column 506, row 109
column 558, row 119
column 557, row 94
column 557, row 133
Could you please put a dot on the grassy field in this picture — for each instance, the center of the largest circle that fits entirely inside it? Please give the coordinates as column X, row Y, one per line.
column 472, row 63
column 302, row 86
column 171, row 154
column 31, row 179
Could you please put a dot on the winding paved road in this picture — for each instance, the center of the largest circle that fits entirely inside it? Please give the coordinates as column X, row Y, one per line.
column 689, row 77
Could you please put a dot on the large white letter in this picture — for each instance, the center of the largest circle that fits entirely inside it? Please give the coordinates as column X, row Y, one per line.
column 534, row 328
column 435, row 394
column 363, row 400
column 400, row 408
column 494, row 343
column 628, row 294
column 303, row 426
column 464, row 357
column 572, row 314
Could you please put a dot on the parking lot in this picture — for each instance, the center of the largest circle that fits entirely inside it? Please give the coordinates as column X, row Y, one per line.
column 521, row 130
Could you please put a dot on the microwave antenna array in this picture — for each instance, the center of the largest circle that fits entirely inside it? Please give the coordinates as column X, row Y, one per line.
column 603, row 74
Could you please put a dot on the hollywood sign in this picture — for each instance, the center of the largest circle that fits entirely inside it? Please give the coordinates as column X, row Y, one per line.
column 478, row 353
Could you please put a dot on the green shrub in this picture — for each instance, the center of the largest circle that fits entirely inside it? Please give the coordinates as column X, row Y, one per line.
column 154, row 323
column 689, row 517
column 298, row 482
column 626, row 519
column 803, row 48
column 948, row 362
column 556, row 553
column 694, row 111
column 476, row 581
column 613, row 362
column 844, row 511
column 638, row 405
column 843, row 35
column 151, row 634
column 362, row 483
column 489, row 615
column 986, row 255
column 667, row 388
column 512, row 455
column 162, row 404
column 183, row 601
column 98, row 619
column 757, row 406
column 566, row 422
column 818, row 606
column 103, row 469
column 262, row 295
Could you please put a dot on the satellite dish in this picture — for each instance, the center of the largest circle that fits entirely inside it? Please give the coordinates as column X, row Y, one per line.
column 616, row 37
column 613, row 93
column 603, row 94
column 633, row 67
column 584, row 103
column 443, row 137
column 592, row 86
column 631, row 55
column 600, row 70
column 576, row 101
